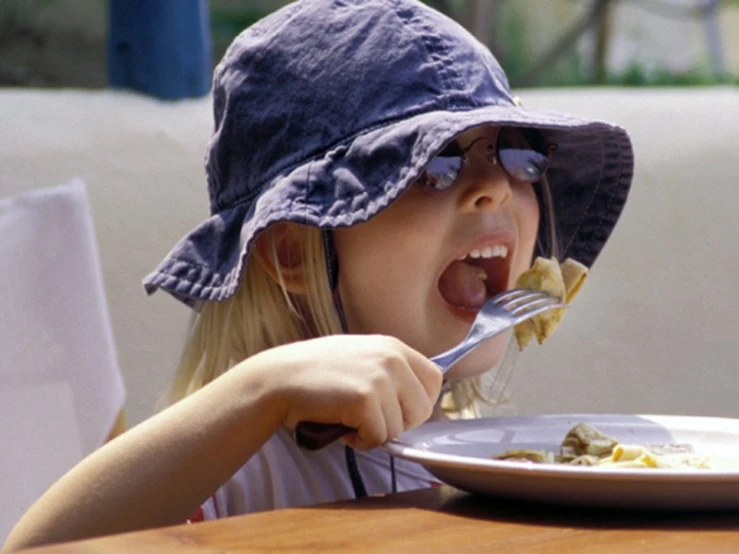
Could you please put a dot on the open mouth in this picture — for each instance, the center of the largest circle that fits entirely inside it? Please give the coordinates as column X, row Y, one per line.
column 467, row 282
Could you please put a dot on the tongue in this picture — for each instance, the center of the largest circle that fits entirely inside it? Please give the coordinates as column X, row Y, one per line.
column 463, row 285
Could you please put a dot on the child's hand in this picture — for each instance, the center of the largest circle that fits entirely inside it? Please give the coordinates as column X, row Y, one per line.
column 375, row 384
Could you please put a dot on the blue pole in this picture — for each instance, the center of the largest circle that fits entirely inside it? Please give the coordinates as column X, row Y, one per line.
column 160, row 47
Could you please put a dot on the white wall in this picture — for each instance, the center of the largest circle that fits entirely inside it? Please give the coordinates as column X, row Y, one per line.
column 142, row 162
column 654, row 330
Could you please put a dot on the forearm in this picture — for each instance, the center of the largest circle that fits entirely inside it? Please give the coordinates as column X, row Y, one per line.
column 159, row 472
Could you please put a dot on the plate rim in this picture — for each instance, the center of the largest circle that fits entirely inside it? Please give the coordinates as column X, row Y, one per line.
column 401, row 447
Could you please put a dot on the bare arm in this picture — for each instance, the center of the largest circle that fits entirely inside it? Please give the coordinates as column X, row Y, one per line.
column 159, row 472
column 162, row 470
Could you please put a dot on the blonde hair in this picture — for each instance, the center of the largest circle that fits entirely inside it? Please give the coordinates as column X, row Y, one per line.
column 263, row 314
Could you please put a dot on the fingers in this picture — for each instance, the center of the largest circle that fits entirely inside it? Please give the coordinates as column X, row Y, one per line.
column 376, row 412
column 407, row 396
column 375, row 384
column 428, row 378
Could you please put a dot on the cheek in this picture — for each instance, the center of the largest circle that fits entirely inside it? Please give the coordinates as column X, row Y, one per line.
column 393, row 245
column 378, row 260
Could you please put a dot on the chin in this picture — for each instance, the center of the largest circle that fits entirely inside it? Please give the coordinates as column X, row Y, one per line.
column 480, row 360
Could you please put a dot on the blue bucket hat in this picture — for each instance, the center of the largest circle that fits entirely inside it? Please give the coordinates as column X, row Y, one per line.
column 326, row 111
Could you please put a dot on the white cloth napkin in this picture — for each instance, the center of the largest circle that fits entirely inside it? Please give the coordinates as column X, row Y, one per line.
column 60, row 384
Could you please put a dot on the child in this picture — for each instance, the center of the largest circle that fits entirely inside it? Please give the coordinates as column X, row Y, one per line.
column 372, row 181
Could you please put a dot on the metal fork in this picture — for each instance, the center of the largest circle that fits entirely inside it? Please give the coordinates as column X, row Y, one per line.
column 498, row 314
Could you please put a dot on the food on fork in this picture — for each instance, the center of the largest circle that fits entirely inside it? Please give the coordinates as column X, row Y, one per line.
column 559, row 280
column 573, row 274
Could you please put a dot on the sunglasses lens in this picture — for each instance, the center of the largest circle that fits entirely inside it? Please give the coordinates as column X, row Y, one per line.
column 523, row 153
column 442, row 171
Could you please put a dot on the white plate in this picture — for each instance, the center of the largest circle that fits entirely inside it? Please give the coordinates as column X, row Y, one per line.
column 458, row 453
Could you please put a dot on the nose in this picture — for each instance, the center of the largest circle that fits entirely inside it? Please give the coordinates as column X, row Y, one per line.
column 486, row 184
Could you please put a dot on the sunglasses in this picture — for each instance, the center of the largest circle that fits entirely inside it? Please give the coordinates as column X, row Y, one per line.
column 523, row 154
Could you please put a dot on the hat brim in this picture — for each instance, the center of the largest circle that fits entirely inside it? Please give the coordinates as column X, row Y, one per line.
column 589, row 175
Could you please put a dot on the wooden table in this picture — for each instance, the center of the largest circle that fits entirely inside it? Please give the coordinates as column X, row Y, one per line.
column 435, row 520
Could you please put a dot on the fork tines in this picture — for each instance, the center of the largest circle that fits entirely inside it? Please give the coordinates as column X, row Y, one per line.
column 519, row 300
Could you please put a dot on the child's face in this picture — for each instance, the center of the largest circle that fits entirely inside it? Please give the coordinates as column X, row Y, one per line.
column 401, row 273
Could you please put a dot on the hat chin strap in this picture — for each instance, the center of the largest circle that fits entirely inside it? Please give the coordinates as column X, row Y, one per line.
column 332, row 271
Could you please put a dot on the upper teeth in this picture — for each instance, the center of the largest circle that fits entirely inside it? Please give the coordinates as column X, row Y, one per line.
column 497, row 251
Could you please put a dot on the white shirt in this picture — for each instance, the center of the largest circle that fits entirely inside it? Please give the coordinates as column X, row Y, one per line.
column 283, row 475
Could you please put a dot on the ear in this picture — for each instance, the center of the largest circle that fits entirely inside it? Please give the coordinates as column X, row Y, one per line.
column 280, row 252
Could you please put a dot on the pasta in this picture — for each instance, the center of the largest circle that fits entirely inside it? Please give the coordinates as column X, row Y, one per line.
column 585, row 445
column 561, row 281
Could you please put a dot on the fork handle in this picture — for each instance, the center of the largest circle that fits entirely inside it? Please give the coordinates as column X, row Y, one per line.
column 447, row 359
column 314, row 436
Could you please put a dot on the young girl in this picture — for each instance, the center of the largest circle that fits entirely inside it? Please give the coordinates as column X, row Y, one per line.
column 372, row 181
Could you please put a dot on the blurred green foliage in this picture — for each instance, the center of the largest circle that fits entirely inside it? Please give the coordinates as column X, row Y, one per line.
column 515, row 52
column 18, row 15
column 227, row 22
column 36, row 50
column 637, row 76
